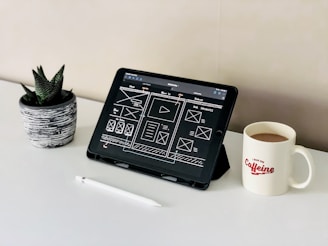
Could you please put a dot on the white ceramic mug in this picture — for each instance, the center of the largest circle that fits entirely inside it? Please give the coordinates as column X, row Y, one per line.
column 267, row 163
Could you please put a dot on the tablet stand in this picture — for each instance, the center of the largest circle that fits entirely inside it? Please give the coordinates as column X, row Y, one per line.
column 222, row 164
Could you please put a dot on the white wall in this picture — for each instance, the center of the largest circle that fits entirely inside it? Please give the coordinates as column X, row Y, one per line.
column 95, row 38
column 275, row 52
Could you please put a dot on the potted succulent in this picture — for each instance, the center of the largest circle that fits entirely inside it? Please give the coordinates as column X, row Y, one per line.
column 49, row 112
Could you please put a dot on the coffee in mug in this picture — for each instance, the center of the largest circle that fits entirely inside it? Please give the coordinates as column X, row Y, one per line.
column 269, row 137
column 268, row 149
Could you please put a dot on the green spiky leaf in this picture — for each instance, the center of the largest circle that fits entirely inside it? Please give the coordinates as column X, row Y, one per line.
column 57, row 84
column 42, row 88
column 30, row 96
column 41, row 73
column 59, row 76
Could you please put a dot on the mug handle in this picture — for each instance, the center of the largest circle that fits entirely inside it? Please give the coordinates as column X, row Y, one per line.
column 303, row 151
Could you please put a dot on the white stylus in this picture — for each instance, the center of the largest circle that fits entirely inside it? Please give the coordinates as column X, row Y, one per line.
column 118, row 191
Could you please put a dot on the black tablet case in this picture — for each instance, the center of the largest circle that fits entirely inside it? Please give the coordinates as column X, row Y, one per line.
column 139, row 111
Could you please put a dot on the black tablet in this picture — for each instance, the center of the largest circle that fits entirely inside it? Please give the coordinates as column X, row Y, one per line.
column 165, row 126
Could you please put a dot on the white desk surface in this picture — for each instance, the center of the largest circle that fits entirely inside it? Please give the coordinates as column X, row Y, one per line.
column 42, row 204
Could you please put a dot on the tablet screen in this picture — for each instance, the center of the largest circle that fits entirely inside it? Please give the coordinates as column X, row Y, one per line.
column 172, row 127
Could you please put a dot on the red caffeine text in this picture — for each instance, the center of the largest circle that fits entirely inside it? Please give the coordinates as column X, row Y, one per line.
column 257, row 169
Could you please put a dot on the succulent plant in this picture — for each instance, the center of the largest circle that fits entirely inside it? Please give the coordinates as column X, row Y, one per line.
column 47, row 92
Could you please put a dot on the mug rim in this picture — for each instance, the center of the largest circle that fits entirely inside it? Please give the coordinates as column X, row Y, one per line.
column 270, row 127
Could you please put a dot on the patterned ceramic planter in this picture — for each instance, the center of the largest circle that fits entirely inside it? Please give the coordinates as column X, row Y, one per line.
column 50, row 126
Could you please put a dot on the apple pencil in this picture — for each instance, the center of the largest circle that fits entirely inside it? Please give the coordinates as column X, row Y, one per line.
column 118, row 191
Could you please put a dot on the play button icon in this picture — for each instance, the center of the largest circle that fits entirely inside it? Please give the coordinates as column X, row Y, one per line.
column 163, row 110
